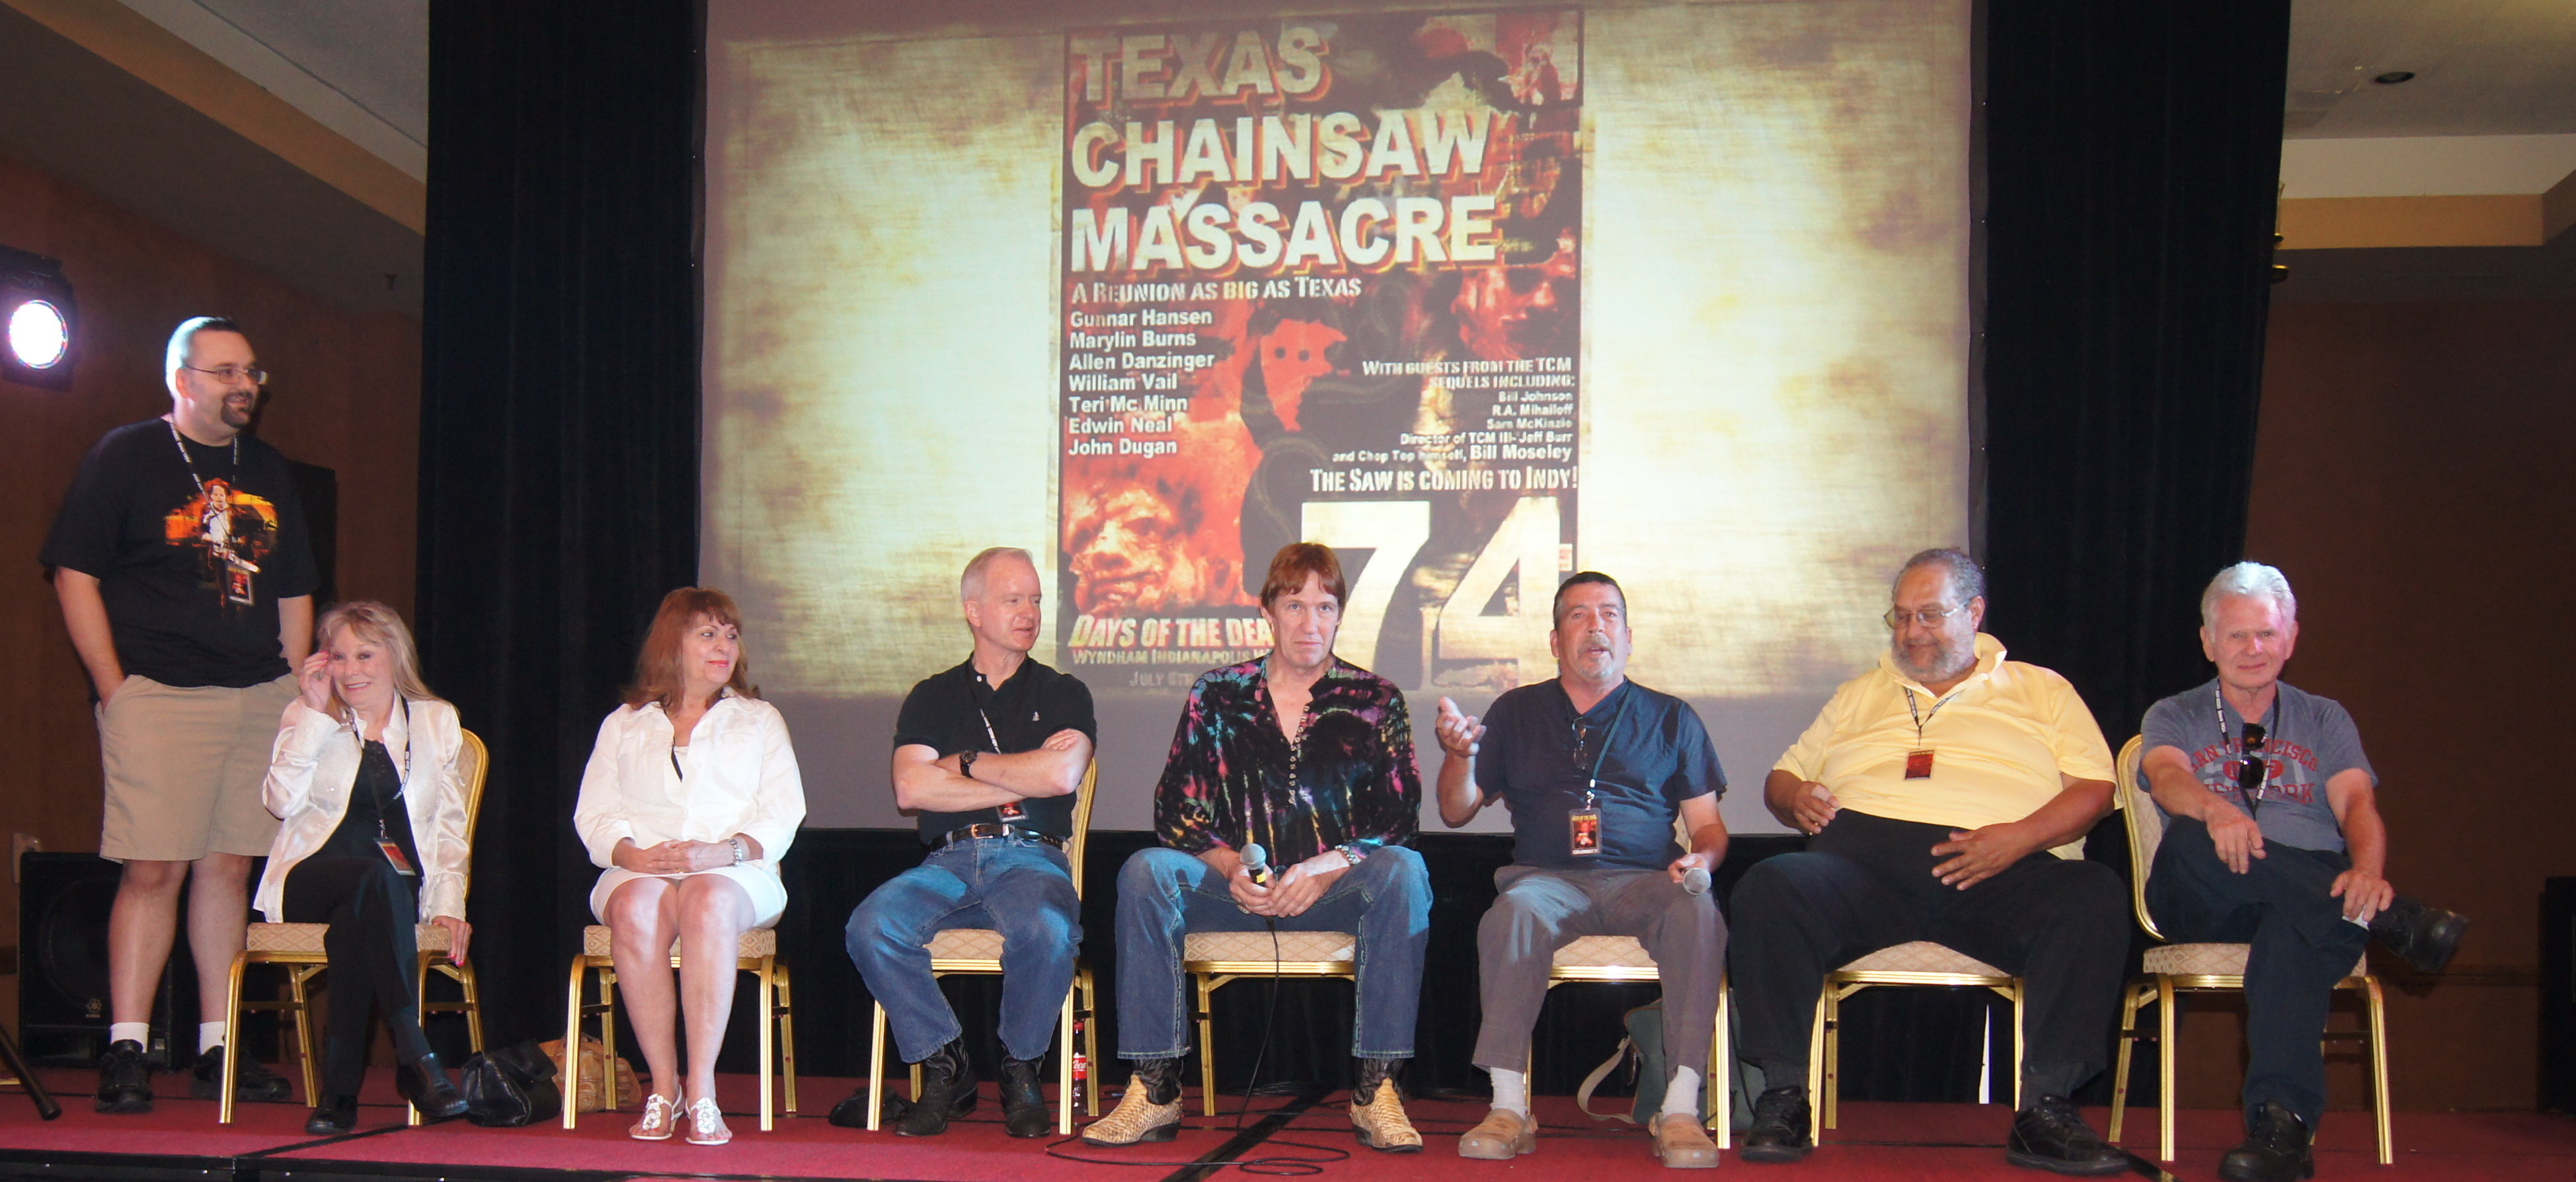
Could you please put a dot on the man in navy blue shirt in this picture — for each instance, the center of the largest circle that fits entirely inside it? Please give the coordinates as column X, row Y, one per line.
column 1595, row 769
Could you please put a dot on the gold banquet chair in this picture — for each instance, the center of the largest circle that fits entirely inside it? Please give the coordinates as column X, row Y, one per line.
column 757, row 954
column 298, row 946
column 1215, row 960
column 1921, row 964
column 1624, row 959
column 2207, row 968
column 978, row 952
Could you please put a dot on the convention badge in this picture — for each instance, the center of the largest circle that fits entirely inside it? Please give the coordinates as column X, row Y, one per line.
column 394, row 854
column 1583, row 824
column 1012, row 811
column 1918, row 764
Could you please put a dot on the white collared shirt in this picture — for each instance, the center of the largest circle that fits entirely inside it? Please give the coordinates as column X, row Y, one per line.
column 738, row 775
column 312, row 768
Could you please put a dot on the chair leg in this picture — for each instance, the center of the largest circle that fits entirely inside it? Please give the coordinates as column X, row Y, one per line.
column 2380, row 1101
column 298, row 978
column 2019, row 1047
column 786, row 1035
column 465, row 982
column 571, row 1066
column 232, row 1036
column 1207, row 1044
column 1721, row 1065
column 1090, row 1038
column 876, row 1067
column 2120, row 1073
column 1831, row 1101
column 419, row 1008
column 1064, row 1064
column 768, row 1044
column 609, row 1100
column 2165, row 1069
column 1816, row 1068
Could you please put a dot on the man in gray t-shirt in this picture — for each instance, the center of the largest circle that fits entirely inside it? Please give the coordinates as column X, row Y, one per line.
column 2274, row 839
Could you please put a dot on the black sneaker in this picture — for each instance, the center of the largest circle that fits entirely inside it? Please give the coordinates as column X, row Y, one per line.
column 1781, row 1122
column 251, row 1080
column 337, row 1115
column 1024, row 1106
column 947, row 1090
column 124, row 1078
column 2051, row 1135
column 2424, row 936
column 2275, row 1148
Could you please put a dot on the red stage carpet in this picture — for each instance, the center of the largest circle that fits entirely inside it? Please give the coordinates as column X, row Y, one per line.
column 1892, row 1142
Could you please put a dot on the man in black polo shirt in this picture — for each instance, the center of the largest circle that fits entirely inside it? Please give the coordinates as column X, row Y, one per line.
column 1594, row 768
column 989, row 754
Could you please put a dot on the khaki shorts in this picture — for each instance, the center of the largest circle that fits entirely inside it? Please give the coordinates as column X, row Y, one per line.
column 184, row 767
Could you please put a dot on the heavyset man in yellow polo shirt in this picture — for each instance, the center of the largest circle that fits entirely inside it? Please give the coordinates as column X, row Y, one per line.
column 1936, row 787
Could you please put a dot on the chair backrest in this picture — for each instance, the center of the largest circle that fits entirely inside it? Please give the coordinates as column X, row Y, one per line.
column 474, row 762
column 1081, row 824
column 2145, row 824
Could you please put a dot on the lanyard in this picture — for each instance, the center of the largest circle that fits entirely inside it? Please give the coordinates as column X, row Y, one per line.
column 1922, row 720
column 402, row 782
column 1592, row 779
column 191, row 462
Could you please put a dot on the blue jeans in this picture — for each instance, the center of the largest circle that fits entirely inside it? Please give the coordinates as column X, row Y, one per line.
column 1164, row 895
column 1020, row 888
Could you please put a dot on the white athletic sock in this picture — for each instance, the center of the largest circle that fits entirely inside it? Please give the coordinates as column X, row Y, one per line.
column 129, row 1032
column 1511, row 1090
column 209, row 1036
column 1681, row 1098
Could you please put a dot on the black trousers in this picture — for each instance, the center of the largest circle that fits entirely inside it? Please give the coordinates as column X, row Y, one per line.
column 2302, row 946
column 373, row 954
column 1866, row 883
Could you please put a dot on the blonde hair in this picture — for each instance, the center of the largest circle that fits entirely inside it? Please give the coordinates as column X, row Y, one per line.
column 374, row 623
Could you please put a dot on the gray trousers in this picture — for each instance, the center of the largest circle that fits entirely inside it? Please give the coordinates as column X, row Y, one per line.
column 1541, row 910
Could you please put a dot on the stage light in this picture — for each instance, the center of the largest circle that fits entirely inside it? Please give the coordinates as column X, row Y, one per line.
column 41, row 320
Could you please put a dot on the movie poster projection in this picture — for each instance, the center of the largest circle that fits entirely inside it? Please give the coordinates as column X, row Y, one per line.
column 1322, row 281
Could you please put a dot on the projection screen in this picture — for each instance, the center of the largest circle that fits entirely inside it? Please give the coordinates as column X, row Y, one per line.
column 1678, row 292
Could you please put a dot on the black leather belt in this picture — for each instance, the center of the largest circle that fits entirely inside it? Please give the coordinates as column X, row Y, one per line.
column 989, row 829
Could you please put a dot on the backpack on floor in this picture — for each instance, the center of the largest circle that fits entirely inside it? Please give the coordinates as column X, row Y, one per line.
column 1643, row 1049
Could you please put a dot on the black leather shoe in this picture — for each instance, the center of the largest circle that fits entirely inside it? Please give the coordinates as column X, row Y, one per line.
column 124, row 1078
column 1781, row 1122
column 2051, row 1135
column 947, row 1090
column 427, row 1086
column 1024, row 1106
column 337, row 1115
column 2275, row 1148
column 852, row 1113
column 2424, row 936
column 251, row 1080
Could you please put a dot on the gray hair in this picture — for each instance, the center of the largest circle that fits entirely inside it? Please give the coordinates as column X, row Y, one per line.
column 1966, row 577
column 183, row 339
column 970, row 585
column 2249, row 579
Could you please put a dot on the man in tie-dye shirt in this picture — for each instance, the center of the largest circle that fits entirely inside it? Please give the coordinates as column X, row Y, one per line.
column 1311, row 758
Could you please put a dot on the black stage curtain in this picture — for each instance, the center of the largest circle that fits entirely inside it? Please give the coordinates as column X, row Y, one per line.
column 559, row 423
column 2130, row 148
column 2132, row 153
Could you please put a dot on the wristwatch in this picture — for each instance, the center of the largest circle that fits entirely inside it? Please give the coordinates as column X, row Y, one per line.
column 966, row 762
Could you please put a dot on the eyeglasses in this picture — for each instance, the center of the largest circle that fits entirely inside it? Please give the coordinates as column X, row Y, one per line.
column 234, row 373
column 1928, row 617
column 2250, row 768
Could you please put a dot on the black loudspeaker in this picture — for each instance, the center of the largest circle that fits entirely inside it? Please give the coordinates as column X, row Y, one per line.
column 63, row 904
column 2558, row 995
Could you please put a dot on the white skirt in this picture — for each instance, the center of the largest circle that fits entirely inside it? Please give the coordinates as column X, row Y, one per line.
column 768, row 895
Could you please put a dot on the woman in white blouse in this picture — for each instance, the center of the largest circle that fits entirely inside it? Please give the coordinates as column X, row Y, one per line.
column 691, row 796
column 365, row 776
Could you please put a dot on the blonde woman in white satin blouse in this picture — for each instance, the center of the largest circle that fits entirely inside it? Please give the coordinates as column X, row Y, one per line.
column 691, row 796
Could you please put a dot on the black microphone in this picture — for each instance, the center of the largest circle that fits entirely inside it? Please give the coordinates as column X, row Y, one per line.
column 1256, row 863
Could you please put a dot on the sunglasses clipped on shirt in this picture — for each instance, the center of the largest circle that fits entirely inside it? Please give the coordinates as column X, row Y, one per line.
column 2251, row 765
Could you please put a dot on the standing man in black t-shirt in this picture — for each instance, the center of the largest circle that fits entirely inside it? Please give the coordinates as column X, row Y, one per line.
column 1595, row 769
column 186, row 582
column 989, row 754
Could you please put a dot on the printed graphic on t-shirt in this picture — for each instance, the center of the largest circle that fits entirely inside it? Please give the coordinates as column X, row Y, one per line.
column 2289, row 771
column 233, row 532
